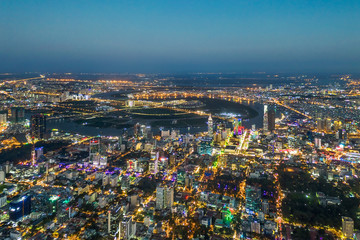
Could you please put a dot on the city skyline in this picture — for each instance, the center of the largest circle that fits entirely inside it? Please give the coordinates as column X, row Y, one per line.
column 194, row 119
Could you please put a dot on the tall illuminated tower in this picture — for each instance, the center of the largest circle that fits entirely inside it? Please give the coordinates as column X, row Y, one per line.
column 210, row 127
column 33, row 155
column 94, row 150
column 38, row 126
column 271, row 119
column 156, row 163
column 164, row 197
column 238, row 128
column 347, row 227
column 266, row 118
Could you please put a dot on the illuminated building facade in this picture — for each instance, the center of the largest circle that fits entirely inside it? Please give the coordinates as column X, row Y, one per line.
column 38, row 126
column 95, row 153
column 20, row 208
column 238, row 128
column 348, row 227
column 164, row 197
column 210, row 127
column 252, row 199
column 205, row 148
column 125, row 230
column 17, row 114
column 271, row 119
column 266, row 121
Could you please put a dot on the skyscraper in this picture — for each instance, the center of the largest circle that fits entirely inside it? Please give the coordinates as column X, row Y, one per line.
column 94, row 151
column 164, row 197
column 238, row 128
column 318, row 142
column 17, row 114
column 38, row 126
column 210, row 127
column 266, row 121
column 347, row 227
column 320, row 124
column 39, row 151
column 160, row 196
column 328, row 124
column 3, row 117
column 125, row 228
column 252, row 199
column 20, row 207
column 271, row 119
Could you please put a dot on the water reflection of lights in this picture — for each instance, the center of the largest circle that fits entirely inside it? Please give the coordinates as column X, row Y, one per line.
column 230, row 115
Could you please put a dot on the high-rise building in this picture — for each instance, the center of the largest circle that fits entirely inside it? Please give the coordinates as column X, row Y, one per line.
column 114, row 216
column 39, row 152
column 2, row 176
column 174, row 134
column 17, row 114
column 136, row 129
column 328, row 124
column 320, row 124
column 349, row 125
column 180, row 178
column 103, row 161
column 238, row 128
column 105, row 179
column 165, row 133
column 340, row 134
column 169, row 197
column 54, row 203
column 348, row 227
column 120, row 140
column 337, row 125
column 160, row 196
column 20, row 207
column 143, row 130
column 210, row 127
column 217, row 137
column 205, row 147
column 38, row 126
column 3, row 199
column 265, row 206
column 94, row 151
column 134, row 200
column 164, row 197
column 271, row 119
column 266, row 121
column 252, row 199
column 323, row 124
column 318, row 142
column 156, row 168
column 3, row 117
column 7, row 167
column 255, row 227
column 125, row 231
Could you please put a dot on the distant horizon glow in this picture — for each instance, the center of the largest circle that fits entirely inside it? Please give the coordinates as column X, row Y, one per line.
column 187, row 36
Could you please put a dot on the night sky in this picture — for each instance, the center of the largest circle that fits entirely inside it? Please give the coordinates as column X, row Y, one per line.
column 180, row 36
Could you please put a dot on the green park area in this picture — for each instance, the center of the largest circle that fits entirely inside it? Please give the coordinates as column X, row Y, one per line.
column 302, row 202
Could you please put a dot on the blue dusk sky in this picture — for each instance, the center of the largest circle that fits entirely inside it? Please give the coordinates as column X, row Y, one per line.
column 180, row 36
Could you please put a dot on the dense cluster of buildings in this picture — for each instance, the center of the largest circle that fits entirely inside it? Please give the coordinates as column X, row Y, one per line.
column 295, row 174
